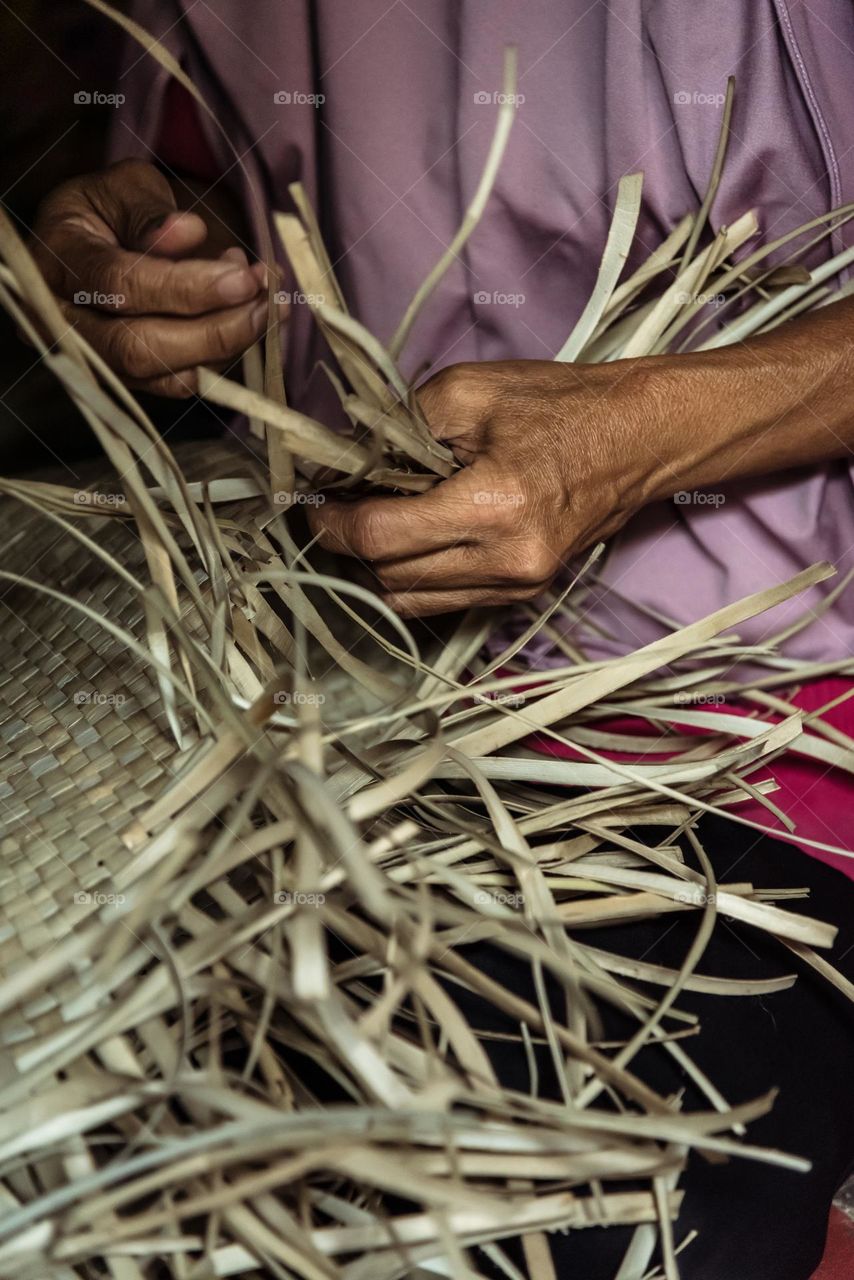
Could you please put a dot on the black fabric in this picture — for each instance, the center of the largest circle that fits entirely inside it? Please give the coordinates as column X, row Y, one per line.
column 756, row 1222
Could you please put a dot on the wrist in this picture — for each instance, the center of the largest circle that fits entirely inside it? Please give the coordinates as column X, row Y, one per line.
column 657, row 433
column 779, row 401
column 695, row 412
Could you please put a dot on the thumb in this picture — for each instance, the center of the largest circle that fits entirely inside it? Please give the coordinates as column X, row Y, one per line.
column 139, row 205
column 457, row 403
column 175, row 235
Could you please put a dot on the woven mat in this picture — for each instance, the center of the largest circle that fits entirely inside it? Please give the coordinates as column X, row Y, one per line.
column 84, row 744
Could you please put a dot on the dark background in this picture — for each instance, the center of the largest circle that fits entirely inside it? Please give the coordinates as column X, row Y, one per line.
column 50, row 50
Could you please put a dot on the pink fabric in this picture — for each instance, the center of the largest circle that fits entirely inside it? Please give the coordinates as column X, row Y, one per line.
column 606, row 89
column 816, row 797
column 182, row 145
column 838, row 1260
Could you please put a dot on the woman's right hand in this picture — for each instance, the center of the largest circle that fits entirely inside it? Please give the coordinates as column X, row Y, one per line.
column 129, row 271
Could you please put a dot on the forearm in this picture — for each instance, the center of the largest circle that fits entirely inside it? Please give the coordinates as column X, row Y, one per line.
column 559, row 456
column 782, row 400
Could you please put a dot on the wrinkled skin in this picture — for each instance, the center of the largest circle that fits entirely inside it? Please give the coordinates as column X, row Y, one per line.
column 555, row 457
column 533, row 491
column 558, row 457
column 166, row 293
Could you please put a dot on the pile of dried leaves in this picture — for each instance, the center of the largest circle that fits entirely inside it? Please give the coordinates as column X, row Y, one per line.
column 250, row 1056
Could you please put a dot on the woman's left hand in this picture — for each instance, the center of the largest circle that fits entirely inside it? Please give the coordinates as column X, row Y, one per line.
column 559, row 456
column 556, row 457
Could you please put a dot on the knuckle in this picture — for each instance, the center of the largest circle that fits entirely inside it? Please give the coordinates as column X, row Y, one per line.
column 369, row 533
column 66, row 196
column 462, row 378
column 128, row 351
column 223, row 340
column 457, row 386
column 106, row 273
column 459, row 401
column 129, row 192
column 534, row 564
column 502, row 505
column 177, row 286
column 55, row 244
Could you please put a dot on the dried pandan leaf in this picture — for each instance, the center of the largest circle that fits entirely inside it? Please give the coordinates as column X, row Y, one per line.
column 243, row 1048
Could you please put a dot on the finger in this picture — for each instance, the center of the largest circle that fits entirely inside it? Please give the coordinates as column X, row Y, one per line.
column 91, row 272
column 425, row 604
column 136, row 201
column 240, row 258
column 180, row 385
column 456, row 403
column 117, row 235
column 155, row 346
column 465, row 565
column 437, row 406
column 379, row 528
column 395, row 528
column 236, row 255
column 177, row 235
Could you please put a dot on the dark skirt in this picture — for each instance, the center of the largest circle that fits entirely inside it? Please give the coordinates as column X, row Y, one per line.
column 755, row 1221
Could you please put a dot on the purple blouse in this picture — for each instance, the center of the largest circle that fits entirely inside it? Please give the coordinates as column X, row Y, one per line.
column 388, row 109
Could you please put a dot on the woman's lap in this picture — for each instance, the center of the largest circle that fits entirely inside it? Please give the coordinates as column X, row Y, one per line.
column 756, row 1221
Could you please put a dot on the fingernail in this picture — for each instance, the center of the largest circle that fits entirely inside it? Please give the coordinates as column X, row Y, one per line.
column 237, row 286
column 259, row 270
column 236, row 255
column 259, row 316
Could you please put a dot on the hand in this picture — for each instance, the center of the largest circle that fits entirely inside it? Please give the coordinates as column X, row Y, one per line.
column 115, row 250
column 556, row 458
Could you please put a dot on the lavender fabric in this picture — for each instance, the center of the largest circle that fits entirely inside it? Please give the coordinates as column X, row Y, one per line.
column 396, row 146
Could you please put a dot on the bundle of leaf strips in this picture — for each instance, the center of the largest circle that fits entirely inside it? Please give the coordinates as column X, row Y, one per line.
column 162, row 1049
